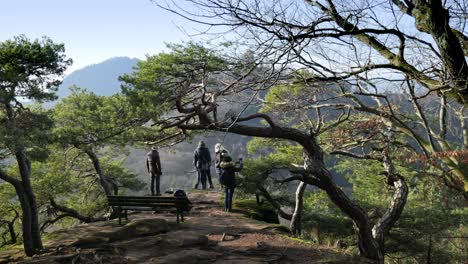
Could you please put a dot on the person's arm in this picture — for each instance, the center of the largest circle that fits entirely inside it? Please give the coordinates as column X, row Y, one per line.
column 147, row 164
column 158, row 162
column 195, row 158
column 241, row 165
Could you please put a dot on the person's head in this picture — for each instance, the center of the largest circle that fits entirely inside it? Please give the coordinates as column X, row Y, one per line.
column 218, row 147
column 224, row 152
column 227, row 158
column 154, row 148
column 201, row 143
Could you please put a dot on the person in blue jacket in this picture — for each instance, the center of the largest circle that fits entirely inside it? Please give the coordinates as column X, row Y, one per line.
column 228, row 179
column 202, row 162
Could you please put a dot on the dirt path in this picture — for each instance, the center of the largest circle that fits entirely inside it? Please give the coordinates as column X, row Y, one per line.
column 209, row 235
column 253, row 241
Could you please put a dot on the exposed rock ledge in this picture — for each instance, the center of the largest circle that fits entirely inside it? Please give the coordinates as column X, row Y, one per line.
column 209, row 235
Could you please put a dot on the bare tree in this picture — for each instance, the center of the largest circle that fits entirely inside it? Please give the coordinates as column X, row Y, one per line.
column 418, row 46
column 186, row 88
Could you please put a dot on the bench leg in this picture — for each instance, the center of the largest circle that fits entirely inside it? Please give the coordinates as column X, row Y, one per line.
column 177, row 212
column 126, row 215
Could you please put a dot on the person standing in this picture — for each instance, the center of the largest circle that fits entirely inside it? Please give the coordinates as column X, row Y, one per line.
column 220, row 151
column 228, row 179
column 202, row 162
column 153, row 165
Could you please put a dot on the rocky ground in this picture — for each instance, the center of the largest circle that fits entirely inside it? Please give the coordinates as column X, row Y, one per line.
column 208, row 235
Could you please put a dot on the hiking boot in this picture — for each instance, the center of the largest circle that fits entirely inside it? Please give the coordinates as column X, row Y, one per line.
column 211, row 187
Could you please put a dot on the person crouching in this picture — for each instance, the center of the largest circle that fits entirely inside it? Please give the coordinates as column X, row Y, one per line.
column 228, row 179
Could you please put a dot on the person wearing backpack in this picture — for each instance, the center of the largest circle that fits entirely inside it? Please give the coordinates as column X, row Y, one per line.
column 153, row 165
column 202, row 162
column 228, row 179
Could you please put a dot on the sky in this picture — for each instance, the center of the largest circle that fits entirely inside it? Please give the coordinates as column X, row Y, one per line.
column 94, row 30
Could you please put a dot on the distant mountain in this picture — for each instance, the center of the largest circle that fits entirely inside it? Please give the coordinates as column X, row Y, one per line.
column 100, row 78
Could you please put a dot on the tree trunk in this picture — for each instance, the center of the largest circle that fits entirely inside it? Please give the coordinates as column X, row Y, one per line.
column 24, row 166
column 69, row 212
column 393, row 213
column 313, row 163
column 28, row 242
column 431, row 17
column 109, row 189
column 11, row 228
column 429, row 251
column 273, row 203
column 257, row 199
column 368, row 247
column 296, row 221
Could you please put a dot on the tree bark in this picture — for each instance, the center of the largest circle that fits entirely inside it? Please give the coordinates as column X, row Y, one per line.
column 394, row 211
column 274, row 203
column 322, row 178
column 257, row 199
column 431, row 17
column 28, row 241
column 296, row 221
column 24, row 166
column 109, row 189
column 73, row 213
column 32, row 242
column 11, row 228
column 368, row 247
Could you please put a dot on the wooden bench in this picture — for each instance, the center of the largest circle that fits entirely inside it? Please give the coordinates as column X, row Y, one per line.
column 150, row 203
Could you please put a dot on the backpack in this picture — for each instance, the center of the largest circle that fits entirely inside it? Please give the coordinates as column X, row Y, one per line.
column 181, row 193
column 227, row 177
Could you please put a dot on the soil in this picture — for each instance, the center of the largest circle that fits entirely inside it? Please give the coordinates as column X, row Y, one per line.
column 208, row 235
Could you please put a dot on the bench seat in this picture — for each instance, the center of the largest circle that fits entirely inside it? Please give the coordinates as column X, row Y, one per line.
column 150, row 203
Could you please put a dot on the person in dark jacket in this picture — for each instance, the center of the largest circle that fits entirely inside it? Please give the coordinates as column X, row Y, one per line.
column 228, row 179
column 202, row 161
column 153, row 165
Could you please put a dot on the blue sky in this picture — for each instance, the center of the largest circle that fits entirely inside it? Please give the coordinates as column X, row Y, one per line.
column 94, row 30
